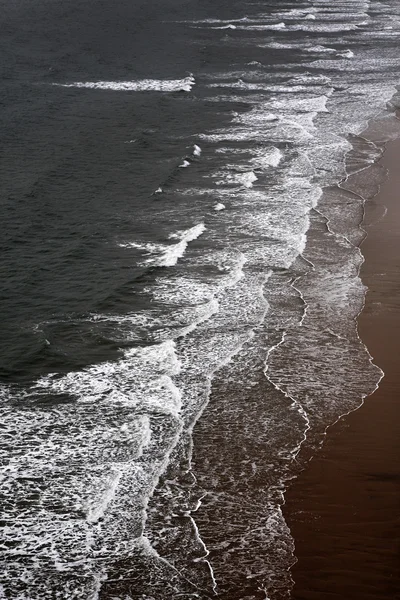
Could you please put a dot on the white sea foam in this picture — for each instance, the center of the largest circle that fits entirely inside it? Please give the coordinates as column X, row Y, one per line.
column 86, row 462
column 174, row 252
column 294, row 123
column 346, row 54
column 164, row 255
column 311, row 104
column 243, row 179
column 292, row 87
column 247, row 179
column 296, row 13
column 324, row 27
column 266, row 27
column 229, row 26
column 140, row 85
column 98, row 505
column 189, row 234
column 196, row 150
column 323, row 49
column 185, row 290
column 123, row 382
column 368, row 65
column 268, row 158
column 145, row 246
column 302, row 46
column 197, row 315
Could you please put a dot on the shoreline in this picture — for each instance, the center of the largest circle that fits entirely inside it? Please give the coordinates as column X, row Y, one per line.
column 343, row 509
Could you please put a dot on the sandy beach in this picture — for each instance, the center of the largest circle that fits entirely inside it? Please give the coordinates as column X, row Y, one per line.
column 344, row 509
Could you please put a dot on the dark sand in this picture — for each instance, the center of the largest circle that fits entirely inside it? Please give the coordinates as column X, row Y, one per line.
column 344, row 510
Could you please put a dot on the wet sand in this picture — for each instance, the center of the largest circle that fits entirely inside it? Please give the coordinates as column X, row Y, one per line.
column 344, row 509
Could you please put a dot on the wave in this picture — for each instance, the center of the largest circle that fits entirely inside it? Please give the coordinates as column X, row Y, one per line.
column 196, row 150
column 346, row 54
column 122, row 382
column 266, row 27
column 267, row 158
column 292, row 87
column 245, row 180
column 324, row 27
column 168, row 255
column 173, row 253
column 229, row 26
column 140, row 85
column 185, row 164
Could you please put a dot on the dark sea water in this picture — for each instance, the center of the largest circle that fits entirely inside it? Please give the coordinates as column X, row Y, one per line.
column 178, row 297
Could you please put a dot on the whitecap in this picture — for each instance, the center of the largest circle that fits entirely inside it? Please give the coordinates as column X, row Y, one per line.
column 141, row 377
column 346, row 54
column 97, row 507
column 229, row 26
column 245, row 180
column 270, row 158
column 189, row 234
column 139, row 85
column 319, row 48
column 164, row 255
column 196, row 150
column 267, row 27
column 171, row 254
column 248, row 179
column 146, row 246
column 325, row 27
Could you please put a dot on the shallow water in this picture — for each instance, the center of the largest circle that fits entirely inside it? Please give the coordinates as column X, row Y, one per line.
column 179, row 299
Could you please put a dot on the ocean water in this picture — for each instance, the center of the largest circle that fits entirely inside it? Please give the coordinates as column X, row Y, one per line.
column 180, row 282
